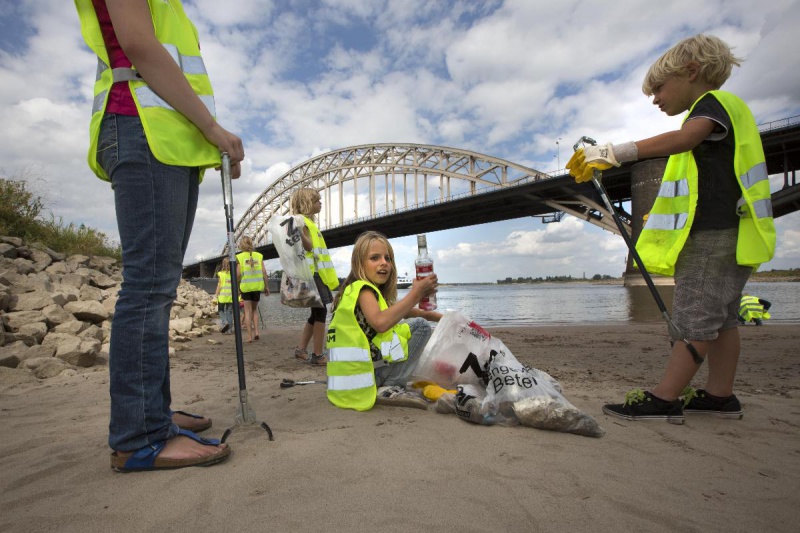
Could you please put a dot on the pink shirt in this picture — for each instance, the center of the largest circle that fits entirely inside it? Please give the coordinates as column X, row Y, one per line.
column 120, row 100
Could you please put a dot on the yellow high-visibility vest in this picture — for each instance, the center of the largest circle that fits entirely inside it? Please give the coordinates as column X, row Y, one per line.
column 171, row 137
column 252, row 274
column 351, row 372
column 225, row 295
column 319, row 258
column 670, row 219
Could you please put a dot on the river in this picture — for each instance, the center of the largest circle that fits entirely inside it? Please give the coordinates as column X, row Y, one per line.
column 560, row 303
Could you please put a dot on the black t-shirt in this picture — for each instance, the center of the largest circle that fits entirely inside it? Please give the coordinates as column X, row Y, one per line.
column 718, row 188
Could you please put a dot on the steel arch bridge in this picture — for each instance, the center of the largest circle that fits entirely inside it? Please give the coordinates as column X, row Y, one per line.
column 370, row 180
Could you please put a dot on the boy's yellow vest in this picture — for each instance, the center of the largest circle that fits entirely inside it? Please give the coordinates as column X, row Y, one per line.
column 171, row 137
column 323, row 264
column 672, row 214
column 252, row 274
column 751, row 309
column 351, row 372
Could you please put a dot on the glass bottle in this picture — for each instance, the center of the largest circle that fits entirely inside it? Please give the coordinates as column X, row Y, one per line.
column 424, row 267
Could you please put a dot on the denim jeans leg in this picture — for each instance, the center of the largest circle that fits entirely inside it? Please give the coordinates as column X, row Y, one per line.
column 155, row 206
column 399, row 373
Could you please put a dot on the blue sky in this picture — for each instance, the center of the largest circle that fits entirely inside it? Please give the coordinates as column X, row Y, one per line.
column 300, row 78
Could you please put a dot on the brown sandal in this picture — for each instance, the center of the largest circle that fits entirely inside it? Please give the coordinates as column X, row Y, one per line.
column 318, row 360
column 301, row 355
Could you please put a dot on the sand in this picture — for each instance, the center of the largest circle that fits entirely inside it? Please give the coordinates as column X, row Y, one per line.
column 398, row 469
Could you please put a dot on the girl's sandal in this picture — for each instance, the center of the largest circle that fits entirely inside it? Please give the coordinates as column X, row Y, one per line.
column 318, row 360
column 301, row 355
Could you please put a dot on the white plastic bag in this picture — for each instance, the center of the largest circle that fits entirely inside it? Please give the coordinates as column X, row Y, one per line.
column 531, row 396
column 297, row 284
column 456, row 353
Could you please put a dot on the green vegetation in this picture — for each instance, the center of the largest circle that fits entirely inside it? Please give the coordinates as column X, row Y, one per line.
column 21, row 215
column 553, row 279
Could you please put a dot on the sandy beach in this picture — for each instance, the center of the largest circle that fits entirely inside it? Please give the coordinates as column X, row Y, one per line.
column 399, row 469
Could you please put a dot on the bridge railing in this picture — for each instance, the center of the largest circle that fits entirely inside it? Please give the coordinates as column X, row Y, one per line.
column 780, row 123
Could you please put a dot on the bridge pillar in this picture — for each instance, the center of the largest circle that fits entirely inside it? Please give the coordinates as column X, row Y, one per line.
column 204, row 271
column 645, row 182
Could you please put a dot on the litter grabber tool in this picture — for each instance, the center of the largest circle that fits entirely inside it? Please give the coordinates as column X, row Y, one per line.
column 597, row 178
column 286, row 383
column 246, row 416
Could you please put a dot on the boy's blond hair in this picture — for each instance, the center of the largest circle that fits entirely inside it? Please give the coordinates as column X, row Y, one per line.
column 712, row 54
column 302, row 202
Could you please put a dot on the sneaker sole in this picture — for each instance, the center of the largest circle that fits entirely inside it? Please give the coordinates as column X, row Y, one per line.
column 735, row 415
column 671, row 419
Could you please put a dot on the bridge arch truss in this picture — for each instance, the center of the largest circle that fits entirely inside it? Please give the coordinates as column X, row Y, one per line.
column 377, row 179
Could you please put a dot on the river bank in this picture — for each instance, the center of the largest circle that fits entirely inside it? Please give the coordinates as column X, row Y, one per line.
column 328, row 468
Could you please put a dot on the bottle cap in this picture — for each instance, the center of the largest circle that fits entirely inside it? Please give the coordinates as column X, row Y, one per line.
column 422, row 240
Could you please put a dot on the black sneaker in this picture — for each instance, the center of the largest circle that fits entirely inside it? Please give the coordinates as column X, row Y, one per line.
column 641, row 405
column 703, row 403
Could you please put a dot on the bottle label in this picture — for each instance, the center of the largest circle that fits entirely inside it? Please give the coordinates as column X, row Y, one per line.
column 424, row 270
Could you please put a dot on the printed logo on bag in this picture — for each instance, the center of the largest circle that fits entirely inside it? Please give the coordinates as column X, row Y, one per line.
column 502, row 376
column 462, row 409
column 292, row 233
column 471, row 363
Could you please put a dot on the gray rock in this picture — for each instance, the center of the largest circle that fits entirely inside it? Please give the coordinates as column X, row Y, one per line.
column 90, row 311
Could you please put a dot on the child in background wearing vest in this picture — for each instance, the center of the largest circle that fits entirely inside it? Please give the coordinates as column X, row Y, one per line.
column 720, row 138
column 225, row 308
column 373, row 261
column 307, row 202
column 251, row 263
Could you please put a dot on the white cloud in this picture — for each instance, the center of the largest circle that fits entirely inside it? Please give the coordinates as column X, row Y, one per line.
column 507, row 79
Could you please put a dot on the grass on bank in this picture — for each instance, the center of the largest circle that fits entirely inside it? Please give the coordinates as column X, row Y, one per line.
column 23, row 215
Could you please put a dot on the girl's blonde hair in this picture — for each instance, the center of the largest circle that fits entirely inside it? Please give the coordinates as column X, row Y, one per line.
column 226, row 264
column 712, row 54
column 302, row 202
column 246, row 244
column 357, row 271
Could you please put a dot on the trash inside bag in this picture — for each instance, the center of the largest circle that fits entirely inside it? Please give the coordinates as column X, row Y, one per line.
column 297, row 283
column 456, row 353
column 493, row 386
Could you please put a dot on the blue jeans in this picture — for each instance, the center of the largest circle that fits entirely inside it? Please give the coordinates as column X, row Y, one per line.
column 398, row 373
column 155, row 206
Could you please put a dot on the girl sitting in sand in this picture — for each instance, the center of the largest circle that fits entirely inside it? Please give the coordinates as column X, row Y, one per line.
column 372, row 349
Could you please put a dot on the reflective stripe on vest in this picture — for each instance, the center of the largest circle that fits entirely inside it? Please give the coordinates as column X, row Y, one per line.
column 252, row 275
column 670, row 219
column 319, row 258
column 171, row 137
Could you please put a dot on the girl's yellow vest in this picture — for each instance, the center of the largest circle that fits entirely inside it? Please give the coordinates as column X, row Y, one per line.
column 351, row 372
column 171, row 137
column 323, row 263
column 252, row 275
column 225, row 295
column 670, row 219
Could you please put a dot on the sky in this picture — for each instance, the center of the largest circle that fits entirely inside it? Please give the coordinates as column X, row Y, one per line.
column 519, row 80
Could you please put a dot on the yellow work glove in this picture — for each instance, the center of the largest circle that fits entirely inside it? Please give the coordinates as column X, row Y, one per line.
column 580, row 169
column 586, row 160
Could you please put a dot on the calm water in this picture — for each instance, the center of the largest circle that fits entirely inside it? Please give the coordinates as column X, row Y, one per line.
column 560, row 303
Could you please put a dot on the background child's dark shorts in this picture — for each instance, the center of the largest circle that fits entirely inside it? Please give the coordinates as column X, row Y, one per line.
column 253, row 296
column 708, row 285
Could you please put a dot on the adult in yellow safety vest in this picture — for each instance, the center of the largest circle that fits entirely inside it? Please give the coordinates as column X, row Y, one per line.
column 152, row 134
column 351, row 370
column 252, row 279
column 753, row 308
column 670, row 220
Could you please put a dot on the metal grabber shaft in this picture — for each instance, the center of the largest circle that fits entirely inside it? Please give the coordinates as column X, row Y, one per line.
column 675, row 333
column 246, row 415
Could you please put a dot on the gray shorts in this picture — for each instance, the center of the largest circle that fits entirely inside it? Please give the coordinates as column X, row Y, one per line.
column 708, row 285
